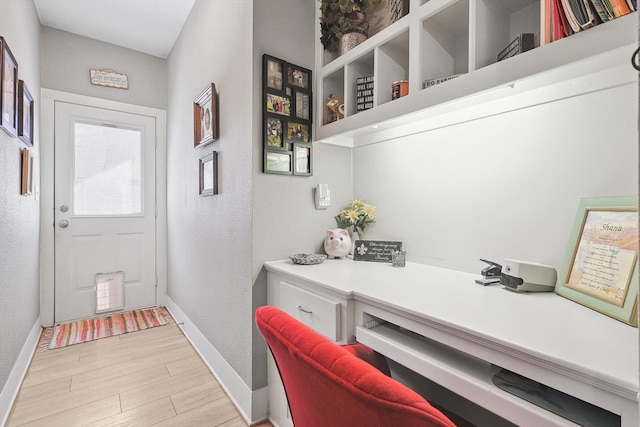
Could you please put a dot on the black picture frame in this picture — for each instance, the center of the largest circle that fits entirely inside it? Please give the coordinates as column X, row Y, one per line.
column 287, row 116
column 205, row 117
column 25, row 114
column 208, row 174
column 8, row 89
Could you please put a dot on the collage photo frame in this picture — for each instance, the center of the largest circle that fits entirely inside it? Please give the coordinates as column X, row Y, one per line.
column 288, row 118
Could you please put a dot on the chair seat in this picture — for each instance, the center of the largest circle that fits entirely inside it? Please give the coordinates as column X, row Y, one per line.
column 328, row 385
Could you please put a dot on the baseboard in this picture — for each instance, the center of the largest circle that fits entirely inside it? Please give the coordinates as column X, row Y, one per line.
column 14, row 381
column 252, row 404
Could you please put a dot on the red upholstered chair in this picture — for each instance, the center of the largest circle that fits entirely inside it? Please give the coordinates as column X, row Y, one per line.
column 326, row 385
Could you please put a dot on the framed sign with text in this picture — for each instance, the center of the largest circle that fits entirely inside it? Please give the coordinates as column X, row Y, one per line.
column 375, row 250
column 599, row 266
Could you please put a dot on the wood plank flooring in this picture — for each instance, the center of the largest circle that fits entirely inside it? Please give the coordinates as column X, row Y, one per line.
column 147, row 378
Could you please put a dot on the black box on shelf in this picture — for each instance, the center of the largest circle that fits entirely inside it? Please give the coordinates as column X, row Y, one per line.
column 364, row 93
column 522, row 43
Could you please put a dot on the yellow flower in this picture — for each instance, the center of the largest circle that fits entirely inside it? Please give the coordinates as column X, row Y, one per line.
column 357, row 203
column 369, row 211
column 352, row 215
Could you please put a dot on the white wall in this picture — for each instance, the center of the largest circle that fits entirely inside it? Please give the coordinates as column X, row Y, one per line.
column 67, row 59
column 19, row 215
column 506, row 186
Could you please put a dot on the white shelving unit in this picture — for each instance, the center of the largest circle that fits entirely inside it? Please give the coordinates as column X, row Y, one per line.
column 440, row 38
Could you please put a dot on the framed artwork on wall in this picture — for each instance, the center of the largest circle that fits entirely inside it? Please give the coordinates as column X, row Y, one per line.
column 208, row 174
column 287, row 117
column 25, row 114
column 599, row 268
column 205, row 117
column 27, row 173
column 8, row 90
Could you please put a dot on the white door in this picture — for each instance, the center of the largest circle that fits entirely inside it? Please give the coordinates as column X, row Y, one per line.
column 104, row 209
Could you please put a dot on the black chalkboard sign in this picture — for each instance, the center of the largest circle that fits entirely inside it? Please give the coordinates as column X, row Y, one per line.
column 375, row 250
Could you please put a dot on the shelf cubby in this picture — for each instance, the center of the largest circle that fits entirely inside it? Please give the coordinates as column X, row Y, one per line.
column 393, row 65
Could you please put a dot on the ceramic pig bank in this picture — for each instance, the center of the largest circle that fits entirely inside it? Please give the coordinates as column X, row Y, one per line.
column 337, row 244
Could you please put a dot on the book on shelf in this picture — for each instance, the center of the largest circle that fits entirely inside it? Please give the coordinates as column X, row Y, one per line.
column 566, row 17
column 364, row 93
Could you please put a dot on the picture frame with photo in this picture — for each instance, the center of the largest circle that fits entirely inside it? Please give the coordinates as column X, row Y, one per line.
column 205, row 117
column 8, row 89
column 274, row 130
column 278, row 162
column 25, row 114
column 302, row 159
column 287, row 117
column 208, row 174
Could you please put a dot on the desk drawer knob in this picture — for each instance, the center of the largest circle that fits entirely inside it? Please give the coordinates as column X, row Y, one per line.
column 304, row 310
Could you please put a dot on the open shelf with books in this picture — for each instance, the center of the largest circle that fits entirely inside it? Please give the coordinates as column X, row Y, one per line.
column 453, row 46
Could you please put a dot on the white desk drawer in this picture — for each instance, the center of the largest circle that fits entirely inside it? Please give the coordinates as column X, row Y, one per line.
column 317, row 312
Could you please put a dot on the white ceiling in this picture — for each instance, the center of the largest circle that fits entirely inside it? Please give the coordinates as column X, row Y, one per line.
column 149, row 26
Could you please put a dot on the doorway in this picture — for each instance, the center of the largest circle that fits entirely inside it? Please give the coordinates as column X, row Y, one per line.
column 106, row 204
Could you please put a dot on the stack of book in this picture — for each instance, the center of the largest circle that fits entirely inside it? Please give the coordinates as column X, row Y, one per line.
column 364, row 93
column 566, row 17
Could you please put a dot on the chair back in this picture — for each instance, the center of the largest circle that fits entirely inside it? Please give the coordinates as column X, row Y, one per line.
column 326, row 385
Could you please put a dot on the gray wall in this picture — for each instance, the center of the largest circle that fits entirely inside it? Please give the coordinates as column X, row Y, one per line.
column 217, row 244
column 285, row 220
column 19, row 215
column 67, row 59
column 209, row 238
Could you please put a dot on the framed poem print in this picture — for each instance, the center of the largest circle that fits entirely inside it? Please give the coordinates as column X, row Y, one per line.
column 208, row 171
column 25, row 114
column 599, row 268
column 279, row 162
column 287, row 117
column 205, row 117
column 8, row 90
column 302, row 159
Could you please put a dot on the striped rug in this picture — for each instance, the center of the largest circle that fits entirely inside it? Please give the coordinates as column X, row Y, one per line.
column 117, row 324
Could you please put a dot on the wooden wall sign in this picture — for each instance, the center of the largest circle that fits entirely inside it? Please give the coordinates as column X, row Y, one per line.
column 109, row 78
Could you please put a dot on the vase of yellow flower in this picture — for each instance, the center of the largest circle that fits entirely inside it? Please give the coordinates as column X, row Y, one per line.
column 356, row 217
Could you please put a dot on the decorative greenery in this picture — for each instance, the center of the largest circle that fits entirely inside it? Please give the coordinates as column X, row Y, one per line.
column 357, row 216
column 341, row 16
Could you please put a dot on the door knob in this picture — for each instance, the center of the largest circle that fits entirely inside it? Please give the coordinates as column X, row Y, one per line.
column 64, row 223
column 64, row 208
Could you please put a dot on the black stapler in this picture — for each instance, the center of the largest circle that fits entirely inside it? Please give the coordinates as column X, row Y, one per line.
column 490, row 274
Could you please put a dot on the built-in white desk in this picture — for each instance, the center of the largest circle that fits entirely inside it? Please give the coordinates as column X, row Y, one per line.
column 444, row 326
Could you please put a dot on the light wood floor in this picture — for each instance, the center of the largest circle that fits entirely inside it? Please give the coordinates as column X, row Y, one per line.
column 147, row 378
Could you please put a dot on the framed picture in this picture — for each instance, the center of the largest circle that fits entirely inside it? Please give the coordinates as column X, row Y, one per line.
column 27, row 173
column 287, row 117
column 298, row 77
column 208, row 168
column 278, row 162
column 278, row 105
column 297, row 132
column 302, row 159
column 303, row 105
column 274, row 132
column 599, row 265
column 205, row 117
column 8, row 90
column 273, row 70
column 25, row 114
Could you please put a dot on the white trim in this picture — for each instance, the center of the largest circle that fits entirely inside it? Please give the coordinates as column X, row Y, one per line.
column 16, row 376
column 47, row 110
column 252, row 405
